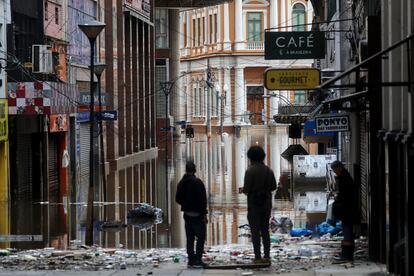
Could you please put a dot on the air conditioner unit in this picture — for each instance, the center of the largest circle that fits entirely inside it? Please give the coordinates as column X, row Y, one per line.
column 42, row 59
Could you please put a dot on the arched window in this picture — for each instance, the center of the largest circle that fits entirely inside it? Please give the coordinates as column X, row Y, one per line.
column 298, row 17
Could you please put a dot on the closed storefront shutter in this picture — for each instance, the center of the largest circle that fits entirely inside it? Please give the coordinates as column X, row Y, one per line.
column 53, row 169
column 364, row 161
column 24, row 167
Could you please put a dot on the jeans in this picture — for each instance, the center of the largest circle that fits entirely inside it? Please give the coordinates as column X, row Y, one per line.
column 195, row 227
column 259, row 227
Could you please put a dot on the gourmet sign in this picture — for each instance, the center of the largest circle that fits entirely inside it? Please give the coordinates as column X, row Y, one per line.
column 333, row 123
column 294, row 45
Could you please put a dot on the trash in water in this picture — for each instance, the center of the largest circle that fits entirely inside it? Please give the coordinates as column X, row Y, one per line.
column 282, row 225
column 144, row 216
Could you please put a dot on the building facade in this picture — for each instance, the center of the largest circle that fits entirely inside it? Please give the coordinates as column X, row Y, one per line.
column 229, row 39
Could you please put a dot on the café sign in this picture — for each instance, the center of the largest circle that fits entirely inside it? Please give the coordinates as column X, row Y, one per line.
column 332, row 123
column 294, row 45
column 292, row 79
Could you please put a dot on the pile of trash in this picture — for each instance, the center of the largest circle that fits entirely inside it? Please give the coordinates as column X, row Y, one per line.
column 144, row 216
column 289, row 254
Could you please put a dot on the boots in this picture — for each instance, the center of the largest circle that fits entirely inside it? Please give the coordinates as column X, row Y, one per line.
column 347, row 254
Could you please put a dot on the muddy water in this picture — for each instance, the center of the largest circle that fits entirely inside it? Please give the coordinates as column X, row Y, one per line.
column 221, row 163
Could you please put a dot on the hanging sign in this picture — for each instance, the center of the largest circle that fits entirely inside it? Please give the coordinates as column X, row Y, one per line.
column 332, row 123
column 294, row 45
column 58, row 122
column 292, row 79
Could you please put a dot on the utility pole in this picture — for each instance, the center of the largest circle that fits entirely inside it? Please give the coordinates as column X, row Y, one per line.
column 222, row 97
column 166, row 87
column 209, row 85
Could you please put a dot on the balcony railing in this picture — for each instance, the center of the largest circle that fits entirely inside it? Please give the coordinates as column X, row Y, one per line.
column 255, row 45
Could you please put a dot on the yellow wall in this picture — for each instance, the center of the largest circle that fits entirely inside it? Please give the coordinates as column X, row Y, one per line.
column 4, row 193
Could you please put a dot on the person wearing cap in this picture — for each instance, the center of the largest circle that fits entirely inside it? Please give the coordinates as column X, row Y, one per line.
column 191, row 195
column 345, row 209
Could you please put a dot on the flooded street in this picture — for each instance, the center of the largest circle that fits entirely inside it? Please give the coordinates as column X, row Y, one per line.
column 221, row 163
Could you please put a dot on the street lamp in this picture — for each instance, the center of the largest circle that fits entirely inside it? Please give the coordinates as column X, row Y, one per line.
column 91, row 30
column 99, row 68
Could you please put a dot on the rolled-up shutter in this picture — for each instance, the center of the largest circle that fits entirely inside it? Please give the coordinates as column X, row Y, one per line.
column 364, row 161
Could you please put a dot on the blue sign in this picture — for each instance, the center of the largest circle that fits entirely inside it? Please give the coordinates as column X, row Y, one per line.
column 311, row 136
column 82, row 117
column 107, row 115
column 167, row 128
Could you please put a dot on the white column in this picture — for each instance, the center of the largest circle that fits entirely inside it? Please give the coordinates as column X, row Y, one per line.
column 205, row 22
column 309, row 15
column 238, row 24
column 289, row 16
column 273, row 14
column 226, row 42
column 227, row 105
column 283, row 16
column 182, row 37
column 240, row 159
column 274, row 106
column 239, row 99
column 218, row 30
column 189, row 34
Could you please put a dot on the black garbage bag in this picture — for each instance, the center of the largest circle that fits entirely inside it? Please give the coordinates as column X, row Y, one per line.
column 144, row 216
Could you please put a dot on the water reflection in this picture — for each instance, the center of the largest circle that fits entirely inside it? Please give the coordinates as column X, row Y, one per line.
column 221, row 164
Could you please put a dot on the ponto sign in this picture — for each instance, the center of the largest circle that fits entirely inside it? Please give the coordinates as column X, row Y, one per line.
column 335, row 123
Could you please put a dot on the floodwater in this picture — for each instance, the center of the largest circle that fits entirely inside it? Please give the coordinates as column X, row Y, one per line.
column 221, row 163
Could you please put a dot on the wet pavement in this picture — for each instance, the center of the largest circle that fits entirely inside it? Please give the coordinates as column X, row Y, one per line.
column 158, row 249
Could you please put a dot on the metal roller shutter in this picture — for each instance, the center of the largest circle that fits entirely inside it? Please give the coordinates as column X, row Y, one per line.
column 364, row 161
column 53, row 169
column 84, row 160
column 24, row 167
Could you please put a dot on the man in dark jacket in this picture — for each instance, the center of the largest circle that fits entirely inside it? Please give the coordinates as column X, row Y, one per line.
column 191, row 195
column 345, row 208
column 259, row 182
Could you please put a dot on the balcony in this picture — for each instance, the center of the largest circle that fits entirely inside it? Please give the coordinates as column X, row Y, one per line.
column 255, row 45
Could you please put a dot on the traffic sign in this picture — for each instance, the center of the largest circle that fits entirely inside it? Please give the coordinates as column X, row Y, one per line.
column 292, row 79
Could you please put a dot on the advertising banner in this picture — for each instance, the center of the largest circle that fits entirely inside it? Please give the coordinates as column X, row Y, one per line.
column 3, row 120
column 58, row 122
column 294, row 45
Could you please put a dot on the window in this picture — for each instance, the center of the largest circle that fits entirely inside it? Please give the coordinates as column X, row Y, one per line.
column 161, row 74
column 56, row 15
column 298, row 18
column 200, row 101
column 194, row 32
column 199, row 30
column 161, row 28
column 215, row 28
column 300, row 97
column 254, row 26
column 195, row 104
column 211, row 28
column 185, row 35
column 331, row 9
column 46, row 11
column 204, row 30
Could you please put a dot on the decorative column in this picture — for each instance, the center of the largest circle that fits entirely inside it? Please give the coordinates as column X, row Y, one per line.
column 238, row 25
column 218, row 28
column 273, row 14
column 206, row 36
column 189, row 34
column 226, row 42
column 239, row 99
column 283, row 17
column 227, row 104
